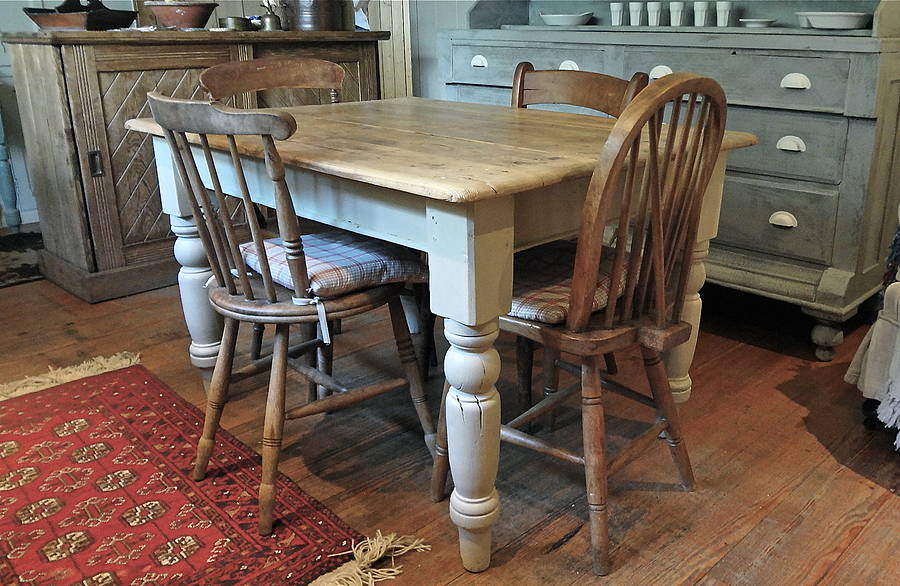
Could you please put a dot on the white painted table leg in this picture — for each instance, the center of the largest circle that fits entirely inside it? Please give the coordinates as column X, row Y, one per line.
column 203, row 324
column 472, row 366
column 678, row 360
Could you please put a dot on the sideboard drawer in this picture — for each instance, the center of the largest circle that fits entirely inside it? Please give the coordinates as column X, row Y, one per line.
column 491, row 65
column 795, row 83
column 748, row 206
column 800, row 145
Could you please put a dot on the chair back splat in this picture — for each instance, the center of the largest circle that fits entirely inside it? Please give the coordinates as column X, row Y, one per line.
column 596, row 91
column 654, row 175
column 217, row 230
column 237, row 77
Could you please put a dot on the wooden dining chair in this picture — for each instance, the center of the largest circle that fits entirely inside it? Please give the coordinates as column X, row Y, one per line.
column 264, row 75
column 588, row 299
column 296, row 279
column 238, row 77
column 595, row 91
column 586, row 89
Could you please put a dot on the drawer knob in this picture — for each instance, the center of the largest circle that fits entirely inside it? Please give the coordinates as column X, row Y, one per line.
column 782, row 219
column 568, row 65
column 791, row 143
column 795, row 81
column 479, row 61
column 660, row 71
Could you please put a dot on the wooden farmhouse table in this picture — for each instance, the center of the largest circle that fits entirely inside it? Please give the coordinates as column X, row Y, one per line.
column 469, row 185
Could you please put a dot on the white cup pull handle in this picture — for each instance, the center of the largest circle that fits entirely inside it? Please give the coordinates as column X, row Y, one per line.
column 479, row 61
column 795, row 81
column 660, row 71
column 568, row 65
column 791, row 143
column 782, row 219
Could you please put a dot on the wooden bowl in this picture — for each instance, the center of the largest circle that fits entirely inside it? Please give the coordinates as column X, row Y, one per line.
column 182, row 14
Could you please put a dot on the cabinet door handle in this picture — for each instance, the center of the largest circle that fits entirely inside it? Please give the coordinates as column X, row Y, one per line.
column 660, row 71
column 795, row 81
column 782, row 219
column 95, row 163
column 479, row 61
column 568, row 65
column 791, row 143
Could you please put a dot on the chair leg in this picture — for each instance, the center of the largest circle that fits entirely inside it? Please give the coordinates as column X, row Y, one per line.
column 216, row 398
column 411, row 366
column 593, row 429
column 256, row 343
column 308, row 332
column 611, row 366
column 441, row 465
column 524, row 366
column 325, row 360
column 551, row 380
column 666, row 409
column 273, row 428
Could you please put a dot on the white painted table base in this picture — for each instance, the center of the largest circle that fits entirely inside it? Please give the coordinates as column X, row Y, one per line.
column 470, row 248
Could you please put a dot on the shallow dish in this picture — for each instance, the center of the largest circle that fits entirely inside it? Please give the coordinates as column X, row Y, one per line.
column 757, row 22
column 838, row 20
column 567, row 19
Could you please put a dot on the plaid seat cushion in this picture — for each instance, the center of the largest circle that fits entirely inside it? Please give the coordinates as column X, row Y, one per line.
column 543, row 281
column 340, row 262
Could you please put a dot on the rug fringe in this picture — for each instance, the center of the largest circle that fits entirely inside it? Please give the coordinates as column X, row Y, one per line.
column 58, row 376
column 359, row 570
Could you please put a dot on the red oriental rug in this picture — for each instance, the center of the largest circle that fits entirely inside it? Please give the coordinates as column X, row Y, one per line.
column 95, row 490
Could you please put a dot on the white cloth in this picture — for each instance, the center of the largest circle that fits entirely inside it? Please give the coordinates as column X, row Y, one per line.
column 875, row 368
column 359, row 12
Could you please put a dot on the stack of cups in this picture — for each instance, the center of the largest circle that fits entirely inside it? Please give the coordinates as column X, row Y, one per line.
column 723, row 13
column 617, row 13
column 676, row 12
column 636, row 11
column 700, row 11
column 654, row 12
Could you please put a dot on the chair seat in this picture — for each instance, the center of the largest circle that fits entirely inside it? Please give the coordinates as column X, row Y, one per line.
column 542, row 282
column 341, row 262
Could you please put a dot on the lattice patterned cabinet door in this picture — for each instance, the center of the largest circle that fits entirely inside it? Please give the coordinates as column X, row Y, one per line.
column 108, row 86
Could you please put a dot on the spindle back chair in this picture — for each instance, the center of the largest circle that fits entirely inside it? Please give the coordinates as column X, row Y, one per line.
column 237, row 77
column 261, row 297
column 654, row 176
column 595, row 91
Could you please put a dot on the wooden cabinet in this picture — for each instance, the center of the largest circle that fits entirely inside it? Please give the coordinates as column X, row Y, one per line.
column 94, row 181
column 808, row 213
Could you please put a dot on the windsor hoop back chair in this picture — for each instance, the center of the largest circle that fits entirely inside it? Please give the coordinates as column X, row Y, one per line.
column 585, row 89
column 649, row 181
column 303, row 289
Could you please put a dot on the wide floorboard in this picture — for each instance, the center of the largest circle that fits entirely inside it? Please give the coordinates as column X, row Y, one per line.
column 792, row 489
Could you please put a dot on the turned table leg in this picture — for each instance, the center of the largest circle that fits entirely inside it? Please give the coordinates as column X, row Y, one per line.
column 472, row 366
column 678, row 360
column 204, row 325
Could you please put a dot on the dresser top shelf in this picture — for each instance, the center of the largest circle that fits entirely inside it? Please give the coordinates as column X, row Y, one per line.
column 739, row 30
column 133, row 36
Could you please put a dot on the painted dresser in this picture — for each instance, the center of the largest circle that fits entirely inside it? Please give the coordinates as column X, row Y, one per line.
column 809, row 212
column 94, row 181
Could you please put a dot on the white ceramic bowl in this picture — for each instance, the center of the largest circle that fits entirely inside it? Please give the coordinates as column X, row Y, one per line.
column 757, row 22
column 567, row 19
column 838, row 20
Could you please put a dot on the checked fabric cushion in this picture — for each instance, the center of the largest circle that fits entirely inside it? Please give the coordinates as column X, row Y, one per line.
column 543, row 282
column 340, row 262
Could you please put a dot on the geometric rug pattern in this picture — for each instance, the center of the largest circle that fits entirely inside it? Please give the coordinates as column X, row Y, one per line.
column 95, row 490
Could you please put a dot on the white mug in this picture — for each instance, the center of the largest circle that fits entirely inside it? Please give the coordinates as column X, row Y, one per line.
column 637, row 13
column 654, row 11
column 723, row 13
column 616, row 12
column 676, row 10
column 700, row 11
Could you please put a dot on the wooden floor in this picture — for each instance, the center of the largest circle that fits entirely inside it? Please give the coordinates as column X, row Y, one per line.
column 792, row 489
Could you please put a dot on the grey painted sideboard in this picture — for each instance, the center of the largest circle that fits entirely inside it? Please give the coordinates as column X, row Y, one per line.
column 809, row 212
